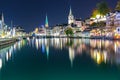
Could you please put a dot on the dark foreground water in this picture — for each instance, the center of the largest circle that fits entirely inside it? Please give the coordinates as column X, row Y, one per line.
column 61, row 59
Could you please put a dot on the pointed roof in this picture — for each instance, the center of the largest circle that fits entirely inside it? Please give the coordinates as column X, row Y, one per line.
column 70, row 13
column 2, row 17
column 46, row 21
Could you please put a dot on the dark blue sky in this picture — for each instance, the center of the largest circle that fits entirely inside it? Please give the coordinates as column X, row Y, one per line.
column 31, row 13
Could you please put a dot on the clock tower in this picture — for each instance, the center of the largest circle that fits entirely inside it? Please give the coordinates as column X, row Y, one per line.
column 70, row 17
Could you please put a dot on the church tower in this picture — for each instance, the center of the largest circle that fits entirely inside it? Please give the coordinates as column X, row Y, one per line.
column 46, row 22
column 1, row 21
column 70, row 17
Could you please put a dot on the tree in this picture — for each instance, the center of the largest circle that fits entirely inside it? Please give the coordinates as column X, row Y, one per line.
column 69, row 31
column 95, row 13
column 118, row 6
column 103, row 8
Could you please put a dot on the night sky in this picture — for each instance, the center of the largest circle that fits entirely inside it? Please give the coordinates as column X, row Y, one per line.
column 31, row 13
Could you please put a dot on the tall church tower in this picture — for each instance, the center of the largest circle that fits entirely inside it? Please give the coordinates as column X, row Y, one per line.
column 46, row 22
column 2, row 21
column 70, row 17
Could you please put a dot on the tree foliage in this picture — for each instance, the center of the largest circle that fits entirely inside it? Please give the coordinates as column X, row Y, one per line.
column 103, row 8
column 95, row 13
column 69, row 31
column 118, row 6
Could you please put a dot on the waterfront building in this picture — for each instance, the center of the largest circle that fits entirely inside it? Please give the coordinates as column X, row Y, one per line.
column 41, row 31
column 78, row 22
column 18, row 31
column 113, row 19
column 113, row 24
column 56, row 31
column 72, row 21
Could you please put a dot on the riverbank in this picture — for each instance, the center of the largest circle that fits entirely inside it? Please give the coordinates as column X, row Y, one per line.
column 90, row 37
column 6, row 41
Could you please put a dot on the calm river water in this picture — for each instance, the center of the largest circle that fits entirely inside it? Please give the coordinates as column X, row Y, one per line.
column 61, row 59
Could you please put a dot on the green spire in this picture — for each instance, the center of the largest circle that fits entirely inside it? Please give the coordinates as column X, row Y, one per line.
column 46, row 22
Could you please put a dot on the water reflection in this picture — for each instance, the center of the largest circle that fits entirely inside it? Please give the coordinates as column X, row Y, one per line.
column 8, row 53
column 101, row 51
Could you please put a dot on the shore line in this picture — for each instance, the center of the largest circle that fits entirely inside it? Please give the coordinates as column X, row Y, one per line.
column 7, row 41
column 96, row 37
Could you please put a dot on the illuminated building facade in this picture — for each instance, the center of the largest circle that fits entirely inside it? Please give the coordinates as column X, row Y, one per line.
column 113, row 20
column 78, row 22
column 113, row 23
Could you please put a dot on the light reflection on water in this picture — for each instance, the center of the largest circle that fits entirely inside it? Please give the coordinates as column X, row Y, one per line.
column 8, row 53
column 101, row 51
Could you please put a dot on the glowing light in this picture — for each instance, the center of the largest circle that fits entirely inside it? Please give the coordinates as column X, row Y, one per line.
column 7, row 56
column 36, row 30
column 36, row 42
column 0, row 63
column 71, row 55
column 43, row 48
column 47, row 51
column 98, row 58
column 97, row 16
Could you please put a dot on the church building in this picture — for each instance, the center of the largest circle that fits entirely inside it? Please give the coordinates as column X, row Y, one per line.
column 72, row 20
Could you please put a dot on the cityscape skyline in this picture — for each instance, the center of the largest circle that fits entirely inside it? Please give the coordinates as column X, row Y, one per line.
column 32, row 14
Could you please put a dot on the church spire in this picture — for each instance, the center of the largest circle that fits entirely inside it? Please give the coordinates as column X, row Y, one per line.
column 46, row 22
column 70, row 17
column 3, row 18
column 70, row 13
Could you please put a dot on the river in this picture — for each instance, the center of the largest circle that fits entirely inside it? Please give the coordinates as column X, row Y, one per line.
column 61, row 59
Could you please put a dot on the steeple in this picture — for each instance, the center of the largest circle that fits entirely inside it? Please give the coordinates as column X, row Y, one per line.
column 70, row 17
column 70, row 13
column 3, row 18
column 46, row 22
